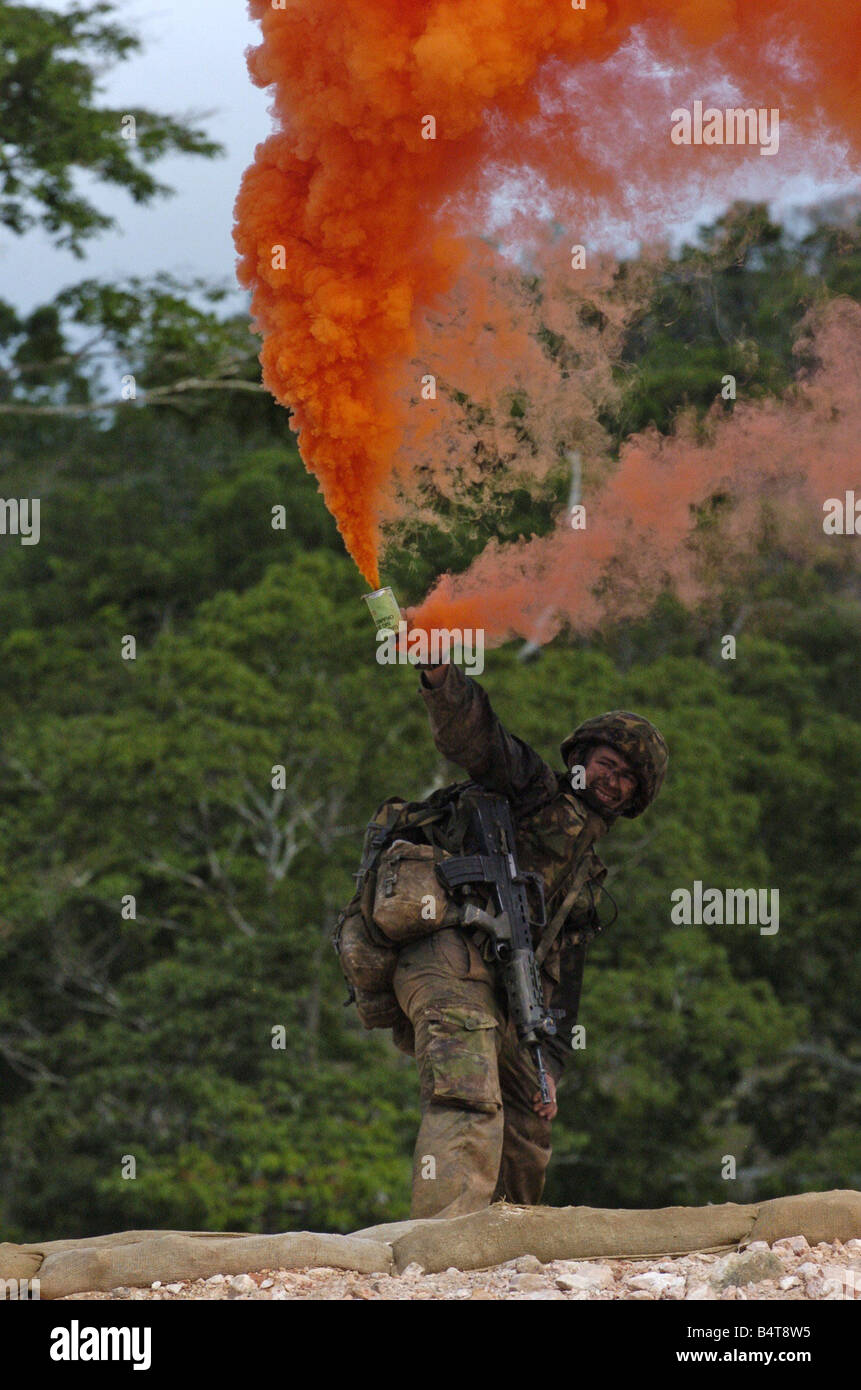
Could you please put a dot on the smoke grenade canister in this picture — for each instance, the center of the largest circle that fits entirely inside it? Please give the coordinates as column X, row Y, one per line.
column 384, row 609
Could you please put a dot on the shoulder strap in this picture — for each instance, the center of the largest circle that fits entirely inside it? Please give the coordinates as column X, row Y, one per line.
column 581, row 872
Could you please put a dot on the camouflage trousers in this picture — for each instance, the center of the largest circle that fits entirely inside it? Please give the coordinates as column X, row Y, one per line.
column 480, row 1139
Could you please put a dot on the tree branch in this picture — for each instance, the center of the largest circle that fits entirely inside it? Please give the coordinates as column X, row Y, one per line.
column 158, row 395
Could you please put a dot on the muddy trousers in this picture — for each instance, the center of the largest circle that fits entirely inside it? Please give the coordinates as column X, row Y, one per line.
column 479, row 1139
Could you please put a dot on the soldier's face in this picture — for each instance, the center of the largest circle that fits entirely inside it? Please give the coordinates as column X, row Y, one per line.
column 609, row 777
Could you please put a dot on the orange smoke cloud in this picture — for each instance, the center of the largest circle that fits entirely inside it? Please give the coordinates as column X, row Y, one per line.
column 351, row 225
column 505, row 408
column 643, row 526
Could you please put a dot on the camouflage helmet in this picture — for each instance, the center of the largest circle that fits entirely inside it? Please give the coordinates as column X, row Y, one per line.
column 636, row 739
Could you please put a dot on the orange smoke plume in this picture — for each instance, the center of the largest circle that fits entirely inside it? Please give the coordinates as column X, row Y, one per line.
column 771, row 466
column 396, row 123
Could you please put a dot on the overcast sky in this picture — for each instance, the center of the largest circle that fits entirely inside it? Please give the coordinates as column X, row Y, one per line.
column 193, row 60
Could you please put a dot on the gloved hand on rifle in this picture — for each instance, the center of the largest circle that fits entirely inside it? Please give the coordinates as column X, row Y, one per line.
column 548, row 1112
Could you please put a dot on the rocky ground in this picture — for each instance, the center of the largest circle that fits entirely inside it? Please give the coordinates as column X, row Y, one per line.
column 788, row 1270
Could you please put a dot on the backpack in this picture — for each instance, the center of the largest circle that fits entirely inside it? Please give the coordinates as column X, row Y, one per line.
column 398, row 897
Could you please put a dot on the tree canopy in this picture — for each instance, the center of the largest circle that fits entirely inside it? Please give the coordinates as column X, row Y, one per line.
column 50, row 64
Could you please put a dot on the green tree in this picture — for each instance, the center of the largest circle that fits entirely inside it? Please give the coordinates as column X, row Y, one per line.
column 49, row 67
column 152, row 1035
column 731, row 304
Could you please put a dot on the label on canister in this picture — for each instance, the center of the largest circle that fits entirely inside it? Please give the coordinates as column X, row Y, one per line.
column 384, row 609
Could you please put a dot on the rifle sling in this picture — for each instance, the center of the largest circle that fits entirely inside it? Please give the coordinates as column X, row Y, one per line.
column 581, row 873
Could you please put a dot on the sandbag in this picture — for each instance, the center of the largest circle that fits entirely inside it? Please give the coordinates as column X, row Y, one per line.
column 477, row 1241
column 502, row 1232
column 827, row 1216
column 18, row 1263
column 24, row 1261
column 391, row 1230
column 101, row 1264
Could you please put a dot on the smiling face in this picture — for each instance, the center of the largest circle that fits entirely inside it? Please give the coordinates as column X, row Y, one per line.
column 609, row 777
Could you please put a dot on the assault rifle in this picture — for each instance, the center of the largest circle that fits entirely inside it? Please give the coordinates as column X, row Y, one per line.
column 509, row 930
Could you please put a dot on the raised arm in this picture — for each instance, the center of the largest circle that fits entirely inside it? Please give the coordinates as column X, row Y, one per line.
column 466, row 730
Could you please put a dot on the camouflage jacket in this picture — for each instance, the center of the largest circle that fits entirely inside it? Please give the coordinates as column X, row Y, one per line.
column 549, row 819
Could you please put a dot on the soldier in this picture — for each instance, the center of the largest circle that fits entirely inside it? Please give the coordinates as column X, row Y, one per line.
column 485, row 1133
